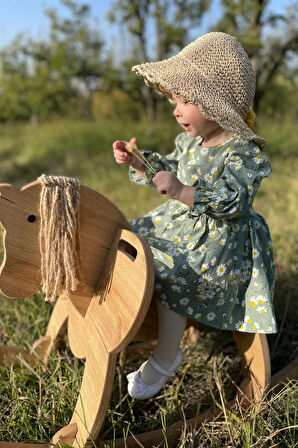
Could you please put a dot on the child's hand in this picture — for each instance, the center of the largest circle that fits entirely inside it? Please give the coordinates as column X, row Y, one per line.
column 121, row 154
column 168, row 183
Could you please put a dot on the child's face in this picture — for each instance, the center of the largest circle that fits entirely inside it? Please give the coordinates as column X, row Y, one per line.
column 191, row 119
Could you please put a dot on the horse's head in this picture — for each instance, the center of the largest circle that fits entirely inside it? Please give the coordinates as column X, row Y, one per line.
column 20, row 276
column 19, row 215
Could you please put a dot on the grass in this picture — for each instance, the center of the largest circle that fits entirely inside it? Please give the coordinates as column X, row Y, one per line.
column 36, row 404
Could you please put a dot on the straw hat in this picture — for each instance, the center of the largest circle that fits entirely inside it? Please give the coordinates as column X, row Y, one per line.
column 214, row 73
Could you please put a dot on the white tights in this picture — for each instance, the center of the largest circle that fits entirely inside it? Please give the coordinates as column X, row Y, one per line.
column 171, row 327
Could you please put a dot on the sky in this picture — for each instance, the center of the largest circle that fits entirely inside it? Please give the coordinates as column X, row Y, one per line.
column 28, row 16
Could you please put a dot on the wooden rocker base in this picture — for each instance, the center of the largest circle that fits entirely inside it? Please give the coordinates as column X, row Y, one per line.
column 255, row 359
column 173, row 432
column 67, row 434
column 253, row 350
column 254, row 353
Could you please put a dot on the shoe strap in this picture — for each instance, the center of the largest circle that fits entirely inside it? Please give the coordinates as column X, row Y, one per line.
column 160, row 369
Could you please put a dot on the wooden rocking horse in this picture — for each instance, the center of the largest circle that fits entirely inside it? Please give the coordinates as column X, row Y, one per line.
column 110, row 305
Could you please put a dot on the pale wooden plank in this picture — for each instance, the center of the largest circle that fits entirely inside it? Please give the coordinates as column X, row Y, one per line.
column 255, row 357
column 289, row 372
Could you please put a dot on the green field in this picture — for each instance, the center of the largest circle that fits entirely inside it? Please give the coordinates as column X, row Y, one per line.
column 37, row 404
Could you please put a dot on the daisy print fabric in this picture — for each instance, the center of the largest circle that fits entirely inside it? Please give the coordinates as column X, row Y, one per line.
column 213, row 261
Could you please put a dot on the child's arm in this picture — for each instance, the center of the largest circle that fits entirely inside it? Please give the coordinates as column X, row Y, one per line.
column 231, row 194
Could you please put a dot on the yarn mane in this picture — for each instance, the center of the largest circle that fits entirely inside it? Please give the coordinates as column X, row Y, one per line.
column 59, row 235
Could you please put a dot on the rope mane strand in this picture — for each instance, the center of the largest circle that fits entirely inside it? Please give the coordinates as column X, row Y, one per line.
column 59, row 235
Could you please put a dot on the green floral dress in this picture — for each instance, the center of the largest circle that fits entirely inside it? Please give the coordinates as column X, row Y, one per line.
column 213, row 261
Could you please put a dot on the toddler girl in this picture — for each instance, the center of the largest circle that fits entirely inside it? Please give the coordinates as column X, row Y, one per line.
column 212, row 251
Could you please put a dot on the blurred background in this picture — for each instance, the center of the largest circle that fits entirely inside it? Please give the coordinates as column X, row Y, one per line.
column 68, row 58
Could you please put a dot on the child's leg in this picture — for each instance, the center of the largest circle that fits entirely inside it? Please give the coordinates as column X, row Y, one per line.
column 171, row 327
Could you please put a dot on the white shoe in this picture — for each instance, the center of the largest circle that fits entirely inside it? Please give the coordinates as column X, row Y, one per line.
column 140, row 390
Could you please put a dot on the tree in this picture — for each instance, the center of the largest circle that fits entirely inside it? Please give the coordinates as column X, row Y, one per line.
column 169, row 20
column 74, row 52
column 56, row 74
column 29, row 88
column 13, row 76
column 251, row 21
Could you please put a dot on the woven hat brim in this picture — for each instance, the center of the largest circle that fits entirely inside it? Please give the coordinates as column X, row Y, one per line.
column 163, row 77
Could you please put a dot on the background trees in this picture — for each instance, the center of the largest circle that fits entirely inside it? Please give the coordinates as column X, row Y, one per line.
column 70, row 73
column 157, row 29
column 269, row 39
column 38, row 78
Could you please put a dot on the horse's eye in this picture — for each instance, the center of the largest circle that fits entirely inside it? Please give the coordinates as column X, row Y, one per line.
column 31, row 218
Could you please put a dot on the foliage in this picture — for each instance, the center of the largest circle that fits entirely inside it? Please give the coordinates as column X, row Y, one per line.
column 169, row 22
column 270, row 39
column 38, row 78
column 71, row 72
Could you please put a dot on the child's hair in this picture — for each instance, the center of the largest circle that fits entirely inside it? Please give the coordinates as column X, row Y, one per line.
column 214, row 73
column 250, row 119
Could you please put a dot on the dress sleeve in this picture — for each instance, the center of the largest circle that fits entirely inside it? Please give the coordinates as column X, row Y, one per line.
column 159, row 163
column 232, row 194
